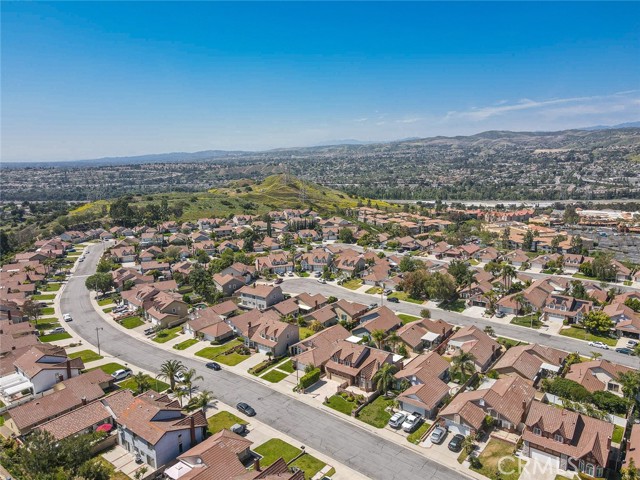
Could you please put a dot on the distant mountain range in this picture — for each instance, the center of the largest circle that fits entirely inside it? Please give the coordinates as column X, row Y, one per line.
column 335, row 146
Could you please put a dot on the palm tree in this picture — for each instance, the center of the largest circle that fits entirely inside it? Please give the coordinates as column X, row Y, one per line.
column 489, row 330
column 507, row 272
column 595, row 355
column 169, row 370
column 188, row 379
column 425, row 313
column 180, row 394
column 316, row 326
column 468, row 444
column 142, row 382
column 393, row 339
column 630, row 382
column 384, row 377
column 378, row 337
column 463, row 363
column 203, row 400
column 519, row 299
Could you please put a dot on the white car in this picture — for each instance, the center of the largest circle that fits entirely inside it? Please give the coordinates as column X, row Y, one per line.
column 412, row 422
column 67, row 317
column 397, row 420
column 599, row 345
column 121, row 374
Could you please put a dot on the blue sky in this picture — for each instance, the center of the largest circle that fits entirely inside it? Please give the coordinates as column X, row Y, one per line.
column 86, row 80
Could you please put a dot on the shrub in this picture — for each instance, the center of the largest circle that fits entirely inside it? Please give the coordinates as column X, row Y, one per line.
column 609, row 402
column 310, row 378
column 567, row 389
column 493, row 374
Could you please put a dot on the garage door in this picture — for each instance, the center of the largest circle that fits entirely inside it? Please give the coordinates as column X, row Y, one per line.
column 457, row 428
column 546, row 459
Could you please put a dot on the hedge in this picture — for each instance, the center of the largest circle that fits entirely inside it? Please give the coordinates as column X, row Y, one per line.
column 310, row 378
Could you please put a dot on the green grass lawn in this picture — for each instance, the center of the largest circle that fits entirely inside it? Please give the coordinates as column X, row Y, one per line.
column 54, row 337
column 287, row 366
column 222, row 420
column 275, row 448
column 583, row 277
column 405, row 298
column 108, row 368
column 417, row 435
column 375, row 414
column 105, row 301
column 211, row 353
column 107, row 310
column 51, row 287
column 304, row 274
column 581, row 334
column 1, row 420
column 304, row 332
column 526, row 321
column 618, row 432
column 86, row 356
column 154, row 384
column 406, row 318
column 163, row 336
column 47, row 324
column 374, row 291
column 508, row 342
column 44, row 297
column 492, row 454
column 47, row 311
column 186, row 344
column 340, row 404
column 458, row 306
column 131, row 322
column 274, row 376
column 232, row 359
column 352, row 284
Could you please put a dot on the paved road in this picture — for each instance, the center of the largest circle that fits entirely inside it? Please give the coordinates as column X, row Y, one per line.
column 299, row 285
column 357, row 448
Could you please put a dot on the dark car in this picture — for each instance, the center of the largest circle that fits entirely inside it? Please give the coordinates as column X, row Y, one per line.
column 214, row 366
column 246, row 409
column 150, row 330
column 455, row 445
column 393, row 300
column 499, row 314
column 277, row 281
column 626, row 351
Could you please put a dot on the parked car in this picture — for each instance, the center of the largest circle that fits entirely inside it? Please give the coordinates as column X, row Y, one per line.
column 239, row 428
column 499, row 314
column 412, row 422
column 455, row 445
column 81, row 259
column 149, row 331
column 393, row 300
column 438, row 434
column 278, row 280
column 67, row 317
column 397, row 419
column 317, row 274
column 373, row 305
column 599, row 345
column 388, row 291
column 179, row 377
column 626, row 351
column 57, row 330
column 632, row 343
column 213, row 366
column 121, row 374
column 322, row 280
column 246, row 409
column 290, row 274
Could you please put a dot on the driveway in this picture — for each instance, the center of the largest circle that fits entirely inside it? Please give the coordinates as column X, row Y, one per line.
column 366, row 452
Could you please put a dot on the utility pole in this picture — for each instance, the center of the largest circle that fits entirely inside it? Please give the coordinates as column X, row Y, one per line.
column 98, row 337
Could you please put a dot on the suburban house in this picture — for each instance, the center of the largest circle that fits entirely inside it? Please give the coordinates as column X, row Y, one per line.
column 308, row 302
column 272, row 336
column 123, row 254
column 506, row 400
column 531, row 362
column 381, row 318
column 260, row 296
column 326, row 315
column 349, row 263
column 566, row 439
column 288, row 307
column 562, row 308
column 349, row 312
column 315, row 260
column 424, row 334
column 317, row 349
column 210, row 323
column 474, row 341
column 237, row 269
column 228, row 284
column 427, row 375
column 155, row 427
column 356, row 364
column 598, row 375
column 633, row 448
column 627, row 320
column 278, row 263
column 167, row 310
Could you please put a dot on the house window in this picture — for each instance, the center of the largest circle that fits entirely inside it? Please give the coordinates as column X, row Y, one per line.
column 613, row 387
column 599, row 472
column 537, row 431
column 558, row 438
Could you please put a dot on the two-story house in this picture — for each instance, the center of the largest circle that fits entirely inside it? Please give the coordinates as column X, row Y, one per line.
column 427, row 376
column 260, row 296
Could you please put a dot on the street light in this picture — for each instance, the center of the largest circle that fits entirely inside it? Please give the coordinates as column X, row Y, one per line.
column 98, row 336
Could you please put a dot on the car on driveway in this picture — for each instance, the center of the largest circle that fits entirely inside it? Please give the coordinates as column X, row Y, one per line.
column 149, row 331
column 121, row 374
column 438, row 434
column 372, row 306
column 239, row 429
column 632, row 343
column 57, row 330
column 625, row 351
column 499, row 314
column 81, row 259
column 397, row 419
column 322, row 280
column 67, row 317
column 455, row 445
column 413, row 421
column 599, row 345
column 277, row 281
column 213, row 366
column 246, row 409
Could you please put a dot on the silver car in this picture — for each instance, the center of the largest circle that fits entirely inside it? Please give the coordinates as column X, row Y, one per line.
column 397, row 420
column 438, row 434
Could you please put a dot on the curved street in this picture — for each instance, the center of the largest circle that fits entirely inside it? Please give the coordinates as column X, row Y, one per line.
column 355, row 447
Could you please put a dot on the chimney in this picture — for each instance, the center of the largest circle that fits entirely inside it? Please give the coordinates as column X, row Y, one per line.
column 192, row 430
column 68, row 368
column 9, row 314
column 84, row 400
column 256, row 465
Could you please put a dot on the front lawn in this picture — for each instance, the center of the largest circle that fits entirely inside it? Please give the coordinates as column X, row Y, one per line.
column 375, row 414
column 105, row 301
column 618, row 432
column 405, row 298
column 340, row 404
column 47, row 311
column 352, row 284
column 186, row 344
column 210, row 353
column 231, row 359
column 107, row 310
column 163, row 336
column 508, row 342
column 54, row 337
column 374, row 291
column 274, row 376
column 46, row 296
column 86, row 356
column 582, row 334
column 47, row 324
column 154, row 384
column 108, row 368
column 223, row 420
column 458, row 306
column 287, row 366
column 529, row 321
column 275, row 448
column 51, row 287
column 417, row 435
column 407, row 318
column 496, row 451
column 131, row 322
column 583, row 277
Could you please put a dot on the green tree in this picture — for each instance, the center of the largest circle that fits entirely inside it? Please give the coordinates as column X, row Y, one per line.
column 441, row 287
column 201, row 281
column 203, row 401
column 407, row 264
column 100, row 282
column 32, row 310
column 630, row 382
column 142, row 382
column 527, row 241
column 508, row 273
column 461, row 272
column 169, row 370
column 345, row 235
column 603, row 267
column 597, row 322
column 379, row 337
column 189, row 377
column 384, row 378
column 104, row 266
column 425, row 313
column 94, row 470
column 504, row 238
column 630, row 472
column 463, row 364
